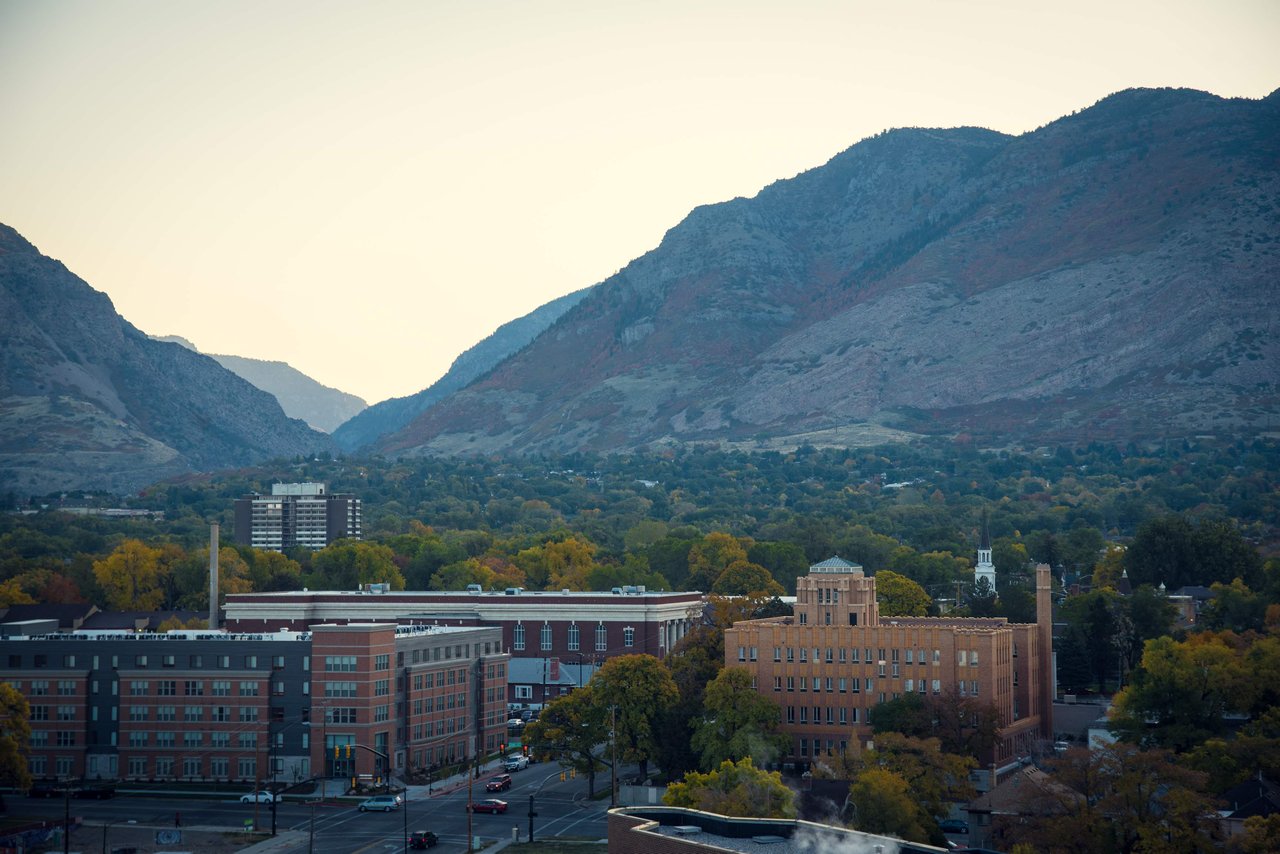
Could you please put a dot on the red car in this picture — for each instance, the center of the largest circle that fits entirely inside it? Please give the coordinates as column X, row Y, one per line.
column 492, row 805
column 500, row 783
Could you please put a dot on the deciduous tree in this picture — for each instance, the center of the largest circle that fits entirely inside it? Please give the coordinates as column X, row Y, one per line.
column 132, row 577
column 641, row 690
column 899, row 596
column 737, row 722
column 15, row 735
column 736, row 789
column 574, row 729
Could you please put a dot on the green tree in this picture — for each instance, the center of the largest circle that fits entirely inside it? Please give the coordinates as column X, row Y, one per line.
column 1175, row 552
column 640, row 689
column 347, row 564
column 735, row 789
column 899, row 596
column 694, row 663
column 738, row 722
column 743, row 577
column 15, row 736
column 1180, row 692
column 573, row 728
column 711, row 556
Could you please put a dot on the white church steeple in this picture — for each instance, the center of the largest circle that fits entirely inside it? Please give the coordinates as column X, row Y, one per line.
column 985, row 568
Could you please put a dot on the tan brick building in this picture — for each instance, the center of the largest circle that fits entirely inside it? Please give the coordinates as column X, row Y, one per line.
column 836, row 658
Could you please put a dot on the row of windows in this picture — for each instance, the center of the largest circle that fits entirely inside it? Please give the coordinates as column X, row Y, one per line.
column 850, row 655
column 574, row 639
column 427, row 705
column 835, row 715
column 191, row 688
column 144, row 661
column 40, row 687
column 432, row 729
column 422, row 681
column 842, row 685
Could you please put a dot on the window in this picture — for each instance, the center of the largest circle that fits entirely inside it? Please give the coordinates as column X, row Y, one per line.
column 39, row 738
column 247, row 768
column 517, row 637
column 220, row 739
column 138, row 739
column 137, row 766
column 167, row 687
column 602, row 637
column 137, row 689
column 381, row 714
column 277, row 662
column 345, row 689
column 629, row 638
column 382, row 688
column 973, row 658
column 573, row 636
column 524, row 692
column 340, row 715
column 777, row 683
column 193, row 713
column 166, row 739
column 382, row 662
column 190, row 767
column 340, row 663
column 544, row 636
column 247, row 739
column 194, row 688
column 66, row 687
column 777, row 653
column 195, row 662
column 221, row 688
column 39, row 713
column 220, row 714
column 66, row 738
column 742, row 653
column 248, row 689
column 251, row 662
column 166, row 713
column 139, row 661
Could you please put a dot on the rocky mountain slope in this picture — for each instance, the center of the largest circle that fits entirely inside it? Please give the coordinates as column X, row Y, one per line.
column 322, row 407
column 391, row 415
column 1111, row 276
column 87, row 401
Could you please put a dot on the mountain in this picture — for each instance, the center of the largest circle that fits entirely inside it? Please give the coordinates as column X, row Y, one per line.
column 1111, row 276
column 87, row 401
column 391, row 415
column 322, row 407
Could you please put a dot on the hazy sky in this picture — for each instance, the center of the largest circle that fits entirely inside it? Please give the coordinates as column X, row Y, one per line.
column 365, row 189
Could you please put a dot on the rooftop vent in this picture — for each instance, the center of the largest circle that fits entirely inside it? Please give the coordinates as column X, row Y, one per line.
column 686, row 829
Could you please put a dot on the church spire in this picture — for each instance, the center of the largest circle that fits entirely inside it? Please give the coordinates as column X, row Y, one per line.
column 985, row 568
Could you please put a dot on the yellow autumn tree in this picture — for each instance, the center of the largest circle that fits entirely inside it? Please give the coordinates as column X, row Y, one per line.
column 133, row 577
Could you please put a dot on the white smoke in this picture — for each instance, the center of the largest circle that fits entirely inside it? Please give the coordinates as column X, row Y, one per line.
column 808, row 838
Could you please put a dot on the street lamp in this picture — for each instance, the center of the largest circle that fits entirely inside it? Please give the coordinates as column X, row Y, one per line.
column 112, row 824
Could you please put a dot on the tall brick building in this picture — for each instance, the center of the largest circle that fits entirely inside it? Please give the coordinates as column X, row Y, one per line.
column 199, row 705
column 836, row 658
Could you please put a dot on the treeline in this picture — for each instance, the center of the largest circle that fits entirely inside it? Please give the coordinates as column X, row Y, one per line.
column 677, row 519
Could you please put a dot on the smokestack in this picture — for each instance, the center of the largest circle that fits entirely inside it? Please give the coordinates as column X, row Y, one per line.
column 1044, row 628
column 213, row 576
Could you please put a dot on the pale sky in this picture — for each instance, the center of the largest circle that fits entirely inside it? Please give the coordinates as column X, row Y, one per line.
column 365, row 189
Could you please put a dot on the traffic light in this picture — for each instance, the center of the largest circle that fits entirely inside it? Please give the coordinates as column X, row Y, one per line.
column 348, row 751
column 524, row 748
column 502, row 748
column 336, row 755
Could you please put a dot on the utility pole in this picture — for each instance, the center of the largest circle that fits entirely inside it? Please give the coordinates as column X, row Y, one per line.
column 532, row 815
column 471, row 813
column 613, row 766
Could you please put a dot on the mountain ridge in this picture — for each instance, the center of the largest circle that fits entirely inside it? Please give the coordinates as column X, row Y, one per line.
column 88, row 401
column 1105, row 276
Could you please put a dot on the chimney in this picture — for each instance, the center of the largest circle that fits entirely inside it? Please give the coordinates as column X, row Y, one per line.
column 1044, row 630
column 213, row 577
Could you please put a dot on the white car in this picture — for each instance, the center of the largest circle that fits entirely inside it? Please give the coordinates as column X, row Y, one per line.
column 259, row 797
column 516, row 763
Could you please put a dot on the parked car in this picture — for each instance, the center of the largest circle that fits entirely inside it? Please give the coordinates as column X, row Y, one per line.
column 44, row 790
column 500, row 783
column 954, row 825
column 514, row 723
column 492, row 805
column 95, row 792
column 528, row 715
column 386, row 803
column 260, row 796
column 423, row 839
column 516, row 763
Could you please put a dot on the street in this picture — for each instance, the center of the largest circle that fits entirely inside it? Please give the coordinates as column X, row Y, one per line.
column 339, row 828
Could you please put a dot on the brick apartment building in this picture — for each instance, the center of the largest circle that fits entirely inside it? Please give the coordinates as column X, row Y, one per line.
column 836, row 658
column 556, row 638
column 200, row 705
